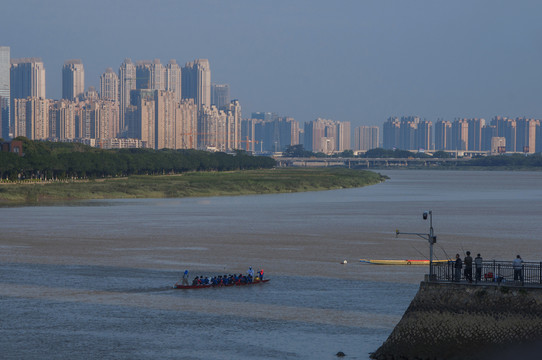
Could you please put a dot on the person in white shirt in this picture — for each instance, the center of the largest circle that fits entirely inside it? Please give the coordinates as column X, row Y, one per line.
column 518, row 269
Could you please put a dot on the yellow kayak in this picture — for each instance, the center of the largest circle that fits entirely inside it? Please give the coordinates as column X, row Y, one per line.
column 400, row 262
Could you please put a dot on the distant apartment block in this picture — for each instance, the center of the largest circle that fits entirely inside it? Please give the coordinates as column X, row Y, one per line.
column 407, row 133
column 156, row 118
column 27, row 78
column 267, row 132
column 475, row 135
column 127, row 83
column 344, row 135
column 196, row 82
column 326, row 136
column 366, row 138
column 174, row 79
column 109, row 85
column 73, row 79
column 220, row 95
column 220, row 130
column 5, row 99
column 150, row 75
column 31, row 118
column 443, row 135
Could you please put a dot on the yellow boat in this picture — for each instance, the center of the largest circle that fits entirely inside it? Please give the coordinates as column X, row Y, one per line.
column 400, row 262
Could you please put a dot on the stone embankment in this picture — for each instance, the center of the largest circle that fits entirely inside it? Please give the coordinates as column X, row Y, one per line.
column 467, row 321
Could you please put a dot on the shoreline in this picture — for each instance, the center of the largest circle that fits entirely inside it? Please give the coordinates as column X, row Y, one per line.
column 193, row 184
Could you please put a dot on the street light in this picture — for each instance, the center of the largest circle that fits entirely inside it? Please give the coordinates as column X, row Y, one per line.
column 431, row 238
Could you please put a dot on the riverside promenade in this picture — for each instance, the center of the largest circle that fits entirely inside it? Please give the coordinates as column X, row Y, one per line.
column 495, row 318
column 498, row 272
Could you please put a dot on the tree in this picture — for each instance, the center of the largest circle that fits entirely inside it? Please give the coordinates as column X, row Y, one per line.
column 296, row 151
column 442, row 155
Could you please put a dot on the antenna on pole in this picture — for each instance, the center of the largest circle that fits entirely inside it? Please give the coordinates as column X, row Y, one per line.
column 430, row 237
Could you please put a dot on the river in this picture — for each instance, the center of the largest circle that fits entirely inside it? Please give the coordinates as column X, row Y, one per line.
column 94, row 279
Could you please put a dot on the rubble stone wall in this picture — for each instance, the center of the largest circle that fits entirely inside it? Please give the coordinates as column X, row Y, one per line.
column 465, row 321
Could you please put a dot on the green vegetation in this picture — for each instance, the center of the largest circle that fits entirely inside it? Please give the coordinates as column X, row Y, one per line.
column 515, row 161
column 299, row 151
column 264, row 181
column 495, row 162
column 50, row 160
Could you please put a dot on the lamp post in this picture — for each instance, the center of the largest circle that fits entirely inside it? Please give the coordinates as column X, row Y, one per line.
column 431, row 238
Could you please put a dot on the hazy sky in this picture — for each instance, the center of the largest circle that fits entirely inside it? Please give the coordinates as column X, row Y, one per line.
column 358, row 61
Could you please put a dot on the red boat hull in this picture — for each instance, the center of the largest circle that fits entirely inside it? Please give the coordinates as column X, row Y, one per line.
column 217, row 286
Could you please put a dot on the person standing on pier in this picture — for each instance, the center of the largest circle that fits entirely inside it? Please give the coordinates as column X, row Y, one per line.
column 478, row 262
column 468, row 267
column 458, row 266
column 518, row 269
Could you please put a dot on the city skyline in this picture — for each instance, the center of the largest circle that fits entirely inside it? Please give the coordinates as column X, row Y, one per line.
column 167, row 70
column 359, row 62
column 174, row 107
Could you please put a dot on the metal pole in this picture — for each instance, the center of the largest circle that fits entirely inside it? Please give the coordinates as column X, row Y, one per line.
column 430, row 244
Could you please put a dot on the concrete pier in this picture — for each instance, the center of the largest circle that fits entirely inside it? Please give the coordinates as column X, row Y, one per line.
column 467, row 321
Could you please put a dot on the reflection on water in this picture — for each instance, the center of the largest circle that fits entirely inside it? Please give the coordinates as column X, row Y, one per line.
column 95, row 277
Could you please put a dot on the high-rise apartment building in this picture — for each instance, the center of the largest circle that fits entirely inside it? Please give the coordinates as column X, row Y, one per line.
column 366, row 137
column 266, row 131
column 323, row 135
column 62, row 116
column 164, row 132
column 186, row 125
column 475, row 133
column 73, row 79
column 220, row 95
column 407, row 133
column 143, row 74
column 526, row 134
column 289, row 132
column 31, row 118
column 150, row 75
column 443, row 135
column 109, row 85
column 233, row 125
column 390, row 133
column 140, row 117
column 127, row 83
column 5, row 102
column 460, row 135
column 27, row 78
column 220, row 129
column 344, row 135
column 173, row 79
column 196, row 82
column 424, row 138
column 212, row 129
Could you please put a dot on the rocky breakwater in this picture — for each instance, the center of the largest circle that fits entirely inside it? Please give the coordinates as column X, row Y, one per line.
column 467, row 321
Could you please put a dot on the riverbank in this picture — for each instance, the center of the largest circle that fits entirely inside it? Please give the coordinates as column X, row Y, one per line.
column 194, row 184
column 467, row 321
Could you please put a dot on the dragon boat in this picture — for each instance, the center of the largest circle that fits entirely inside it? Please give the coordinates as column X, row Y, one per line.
column 256, row 282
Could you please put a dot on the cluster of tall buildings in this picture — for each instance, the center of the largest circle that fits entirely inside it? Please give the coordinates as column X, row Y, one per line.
column 148, row 104
column 144, row 104
column 475, row 135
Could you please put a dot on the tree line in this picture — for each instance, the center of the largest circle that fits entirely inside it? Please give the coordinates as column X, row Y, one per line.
column 54, row 160
column 299, row 151
column 503, row 160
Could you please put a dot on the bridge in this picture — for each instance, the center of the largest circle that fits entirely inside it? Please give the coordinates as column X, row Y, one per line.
column 355, row 162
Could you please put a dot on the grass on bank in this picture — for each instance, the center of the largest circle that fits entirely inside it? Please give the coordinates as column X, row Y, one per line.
column 194, row 184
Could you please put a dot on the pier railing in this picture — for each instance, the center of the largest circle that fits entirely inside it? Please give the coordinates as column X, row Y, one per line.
column 500, row 272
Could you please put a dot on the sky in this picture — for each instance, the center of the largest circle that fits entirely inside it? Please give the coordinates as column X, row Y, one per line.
column 358, row 61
